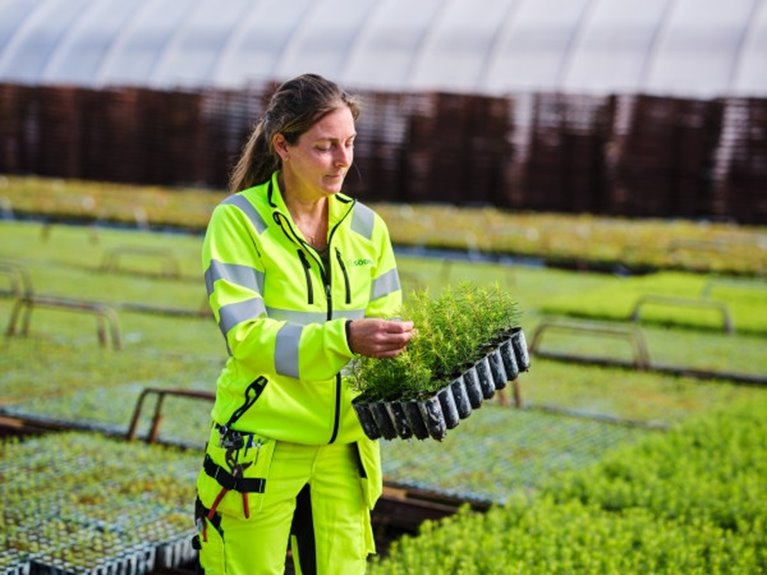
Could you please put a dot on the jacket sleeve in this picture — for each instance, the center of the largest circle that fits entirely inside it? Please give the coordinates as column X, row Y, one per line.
column 234, row 277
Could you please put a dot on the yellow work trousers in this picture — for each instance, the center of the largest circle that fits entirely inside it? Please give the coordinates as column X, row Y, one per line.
column 312, row 498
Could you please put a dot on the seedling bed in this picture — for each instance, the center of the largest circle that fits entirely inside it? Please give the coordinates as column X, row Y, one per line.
column 83, row 503
column 502, row 450
column 641, row 356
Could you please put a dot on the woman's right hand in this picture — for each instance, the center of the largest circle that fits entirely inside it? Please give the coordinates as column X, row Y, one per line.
column 379, row 337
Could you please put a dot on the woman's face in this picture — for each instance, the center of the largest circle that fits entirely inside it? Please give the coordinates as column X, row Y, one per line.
column 315, row 167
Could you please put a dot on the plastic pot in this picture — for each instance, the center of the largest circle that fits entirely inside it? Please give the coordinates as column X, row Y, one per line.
column 473, row 389
column 399, row 419
column 368, row 423
column 485, row 377
column 461, row 397
column 383, row 420
column 496, row 368
column 433, row 419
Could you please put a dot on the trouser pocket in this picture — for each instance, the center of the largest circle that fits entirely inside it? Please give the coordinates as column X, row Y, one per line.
column 235, row 472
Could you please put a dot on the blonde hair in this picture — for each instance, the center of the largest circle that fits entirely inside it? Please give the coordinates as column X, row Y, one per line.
column 293, row 109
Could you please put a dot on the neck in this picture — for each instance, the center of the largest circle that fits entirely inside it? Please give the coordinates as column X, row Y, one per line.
column 311, row 218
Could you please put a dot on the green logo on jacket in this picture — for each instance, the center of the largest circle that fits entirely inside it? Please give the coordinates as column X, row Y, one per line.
column 362, row 262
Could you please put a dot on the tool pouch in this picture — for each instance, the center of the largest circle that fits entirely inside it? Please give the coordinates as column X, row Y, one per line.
column 224, row 490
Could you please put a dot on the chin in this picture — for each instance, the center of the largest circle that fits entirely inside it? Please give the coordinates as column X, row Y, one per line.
column 334, row 188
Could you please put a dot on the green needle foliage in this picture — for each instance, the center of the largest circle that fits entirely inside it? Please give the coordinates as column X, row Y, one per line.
column 454, row 329
column 692, row 500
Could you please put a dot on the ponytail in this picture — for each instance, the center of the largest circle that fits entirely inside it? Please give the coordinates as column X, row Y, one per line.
column 256, row 164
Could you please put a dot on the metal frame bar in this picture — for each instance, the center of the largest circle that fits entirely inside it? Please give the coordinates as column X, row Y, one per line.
column 721, row 307
column 157, row 417
column 169, row 262
column 628, row 333
column 23, row 307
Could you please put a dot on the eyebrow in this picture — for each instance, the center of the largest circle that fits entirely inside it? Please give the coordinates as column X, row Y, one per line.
column 354, row 135
column 333, row 139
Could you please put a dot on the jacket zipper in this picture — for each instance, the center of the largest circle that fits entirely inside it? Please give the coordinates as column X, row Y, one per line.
column 337, row 418
column 337, row 410
column 307, row 274
column 346, row 276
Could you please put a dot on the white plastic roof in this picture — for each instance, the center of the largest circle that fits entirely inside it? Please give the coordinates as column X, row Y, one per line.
column 691, row 48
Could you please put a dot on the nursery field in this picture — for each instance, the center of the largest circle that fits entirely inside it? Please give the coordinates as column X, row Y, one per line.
column 612, row 395
column 573, row 241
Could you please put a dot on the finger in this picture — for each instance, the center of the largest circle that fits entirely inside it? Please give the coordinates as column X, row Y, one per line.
column 399, row 326
column 389, row 353
column 395, row 342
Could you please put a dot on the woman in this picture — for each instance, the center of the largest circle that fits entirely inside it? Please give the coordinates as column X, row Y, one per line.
column 300, row 278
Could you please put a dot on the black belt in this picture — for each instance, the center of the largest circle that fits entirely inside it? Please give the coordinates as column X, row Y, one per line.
column 229, row 481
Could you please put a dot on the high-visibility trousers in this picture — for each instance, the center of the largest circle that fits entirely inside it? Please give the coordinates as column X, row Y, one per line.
column 312, row 498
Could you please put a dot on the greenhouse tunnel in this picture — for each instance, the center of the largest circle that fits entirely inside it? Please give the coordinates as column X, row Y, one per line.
column 687, row 48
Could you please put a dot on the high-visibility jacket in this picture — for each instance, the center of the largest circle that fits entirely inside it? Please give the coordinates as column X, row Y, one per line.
column 283, row 314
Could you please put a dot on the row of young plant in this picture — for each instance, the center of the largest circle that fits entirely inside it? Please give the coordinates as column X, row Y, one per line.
column 491, row 453
column 99, row 388
column 90, row 406
column 705, row 246
column 695, row 301
column 501, row 450
column 83, row 503
column 693, row 500
column 61, row 267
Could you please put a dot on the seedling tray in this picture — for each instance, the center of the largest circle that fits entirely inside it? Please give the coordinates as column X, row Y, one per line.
column 433, row 416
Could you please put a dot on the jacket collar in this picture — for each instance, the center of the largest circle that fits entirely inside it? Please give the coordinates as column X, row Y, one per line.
column 339, row 205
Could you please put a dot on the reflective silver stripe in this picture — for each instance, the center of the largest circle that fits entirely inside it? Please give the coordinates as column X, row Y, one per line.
column 232, row 314
column 385, row 284
column 286, row 349
column 299, row 317
column 363, row 220
column 244, row 276
column 349, row 314
column 242, row 202
column 307, row 317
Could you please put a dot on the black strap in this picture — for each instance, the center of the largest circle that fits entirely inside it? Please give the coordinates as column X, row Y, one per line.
column 201, row 512
column 228, row 481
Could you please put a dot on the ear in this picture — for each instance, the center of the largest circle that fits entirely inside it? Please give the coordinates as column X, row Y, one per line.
column 280, row 145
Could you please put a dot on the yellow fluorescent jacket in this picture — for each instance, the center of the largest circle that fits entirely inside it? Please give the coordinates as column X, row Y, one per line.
column 283, row 314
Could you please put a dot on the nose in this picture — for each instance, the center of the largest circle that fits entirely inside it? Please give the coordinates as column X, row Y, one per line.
column 344, row 156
